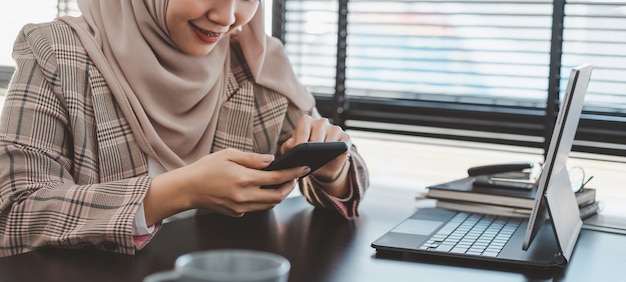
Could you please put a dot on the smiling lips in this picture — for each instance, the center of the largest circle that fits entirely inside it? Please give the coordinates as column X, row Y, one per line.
column 205, row 35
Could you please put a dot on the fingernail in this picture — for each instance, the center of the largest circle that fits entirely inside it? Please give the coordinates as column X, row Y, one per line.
column 267, row 158
column 306, row 170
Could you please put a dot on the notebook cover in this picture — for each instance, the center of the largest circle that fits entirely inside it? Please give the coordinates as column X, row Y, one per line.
column 467, row 185
column 464, row 190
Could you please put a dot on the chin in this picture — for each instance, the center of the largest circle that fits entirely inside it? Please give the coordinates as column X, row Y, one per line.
column 198, row 52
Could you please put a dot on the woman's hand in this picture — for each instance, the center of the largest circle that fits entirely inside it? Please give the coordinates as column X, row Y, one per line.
column 227, row 182
column 309, row 129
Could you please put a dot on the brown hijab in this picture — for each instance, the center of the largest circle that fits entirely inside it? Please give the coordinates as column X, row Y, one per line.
column 172, row 99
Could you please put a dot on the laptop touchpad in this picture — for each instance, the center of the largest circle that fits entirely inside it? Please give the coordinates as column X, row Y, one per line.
column 417, row 226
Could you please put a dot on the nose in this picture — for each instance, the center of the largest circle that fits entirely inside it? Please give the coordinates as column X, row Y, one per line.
column 223, row 12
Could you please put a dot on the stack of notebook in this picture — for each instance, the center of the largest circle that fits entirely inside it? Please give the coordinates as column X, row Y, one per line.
column 470, row 194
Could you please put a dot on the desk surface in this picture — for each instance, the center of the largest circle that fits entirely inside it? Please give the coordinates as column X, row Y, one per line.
column 319, row 245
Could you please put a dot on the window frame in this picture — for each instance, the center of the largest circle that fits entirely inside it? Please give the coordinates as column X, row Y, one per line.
column 5, row 75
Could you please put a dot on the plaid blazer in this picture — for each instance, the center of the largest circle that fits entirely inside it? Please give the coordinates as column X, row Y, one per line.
column 71, row 172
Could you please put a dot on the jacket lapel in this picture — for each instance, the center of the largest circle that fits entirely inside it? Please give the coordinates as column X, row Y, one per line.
column 251, row 116
column 115, row 139
column 234, row 125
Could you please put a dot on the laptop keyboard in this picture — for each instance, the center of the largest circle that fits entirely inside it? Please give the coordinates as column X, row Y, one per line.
column 473, row 234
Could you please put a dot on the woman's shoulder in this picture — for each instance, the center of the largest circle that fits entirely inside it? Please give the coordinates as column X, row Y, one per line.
column 51, row 44
column 46, row 26
column 48, row 35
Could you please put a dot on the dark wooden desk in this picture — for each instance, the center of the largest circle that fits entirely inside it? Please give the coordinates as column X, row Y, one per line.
column 319, row 245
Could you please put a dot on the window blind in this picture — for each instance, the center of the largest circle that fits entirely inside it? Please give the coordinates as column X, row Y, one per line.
column 595, row 32
column 453, row 50
column 311, row 36
column 68, row 8
column 485, row 70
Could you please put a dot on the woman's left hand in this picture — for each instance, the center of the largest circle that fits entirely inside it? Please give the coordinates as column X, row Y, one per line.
column 309, row 129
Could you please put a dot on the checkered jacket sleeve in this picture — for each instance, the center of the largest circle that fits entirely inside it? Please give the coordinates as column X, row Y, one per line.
column 69, row 176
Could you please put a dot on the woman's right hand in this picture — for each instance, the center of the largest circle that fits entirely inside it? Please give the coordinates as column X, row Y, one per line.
column 226, row 182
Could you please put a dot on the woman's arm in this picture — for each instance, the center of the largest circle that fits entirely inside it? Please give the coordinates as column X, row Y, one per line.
column 227, row 182
column 50, row 193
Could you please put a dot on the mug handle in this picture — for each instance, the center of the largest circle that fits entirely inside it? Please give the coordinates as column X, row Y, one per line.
column 170, row 275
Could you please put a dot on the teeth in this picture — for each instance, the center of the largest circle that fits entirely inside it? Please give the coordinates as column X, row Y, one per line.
column 209, row 33
column 206, row 32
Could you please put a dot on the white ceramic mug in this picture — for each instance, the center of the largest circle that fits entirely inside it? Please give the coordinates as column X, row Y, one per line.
column 226, row 265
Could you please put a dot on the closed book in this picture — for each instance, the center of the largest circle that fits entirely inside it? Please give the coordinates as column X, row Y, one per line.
column 465, row 190
column 483, row 209
column 586, row 210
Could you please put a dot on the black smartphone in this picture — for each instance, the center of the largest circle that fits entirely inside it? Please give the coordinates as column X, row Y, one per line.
column 311, row 154
column 498, row 168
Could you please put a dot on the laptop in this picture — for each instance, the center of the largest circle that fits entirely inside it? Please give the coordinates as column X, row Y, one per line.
column 545, row 240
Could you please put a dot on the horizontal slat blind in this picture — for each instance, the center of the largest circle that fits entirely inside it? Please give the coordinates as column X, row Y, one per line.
column 68, row 7
column 490, row 70
column 595, row 32
column 441, row 50
column 311, row 36
column 474, row 51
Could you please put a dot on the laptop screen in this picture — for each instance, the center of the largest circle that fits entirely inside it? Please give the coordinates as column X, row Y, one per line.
column 554, row 194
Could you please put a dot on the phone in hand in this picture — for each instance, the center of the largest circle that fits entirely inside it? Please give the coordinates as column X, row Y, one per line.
column 311, row 154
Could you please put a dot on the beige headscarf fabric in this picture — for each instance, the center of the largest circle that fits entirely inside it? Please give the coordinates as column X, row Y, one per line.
column 171, row 99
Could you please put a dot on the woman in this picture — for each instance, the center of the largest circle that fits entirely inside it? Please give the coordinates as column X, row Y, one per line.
column 139, row 110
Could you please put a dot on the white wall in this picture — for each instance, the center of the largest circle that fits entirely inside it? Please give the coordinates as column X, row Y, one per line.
column 16, row 13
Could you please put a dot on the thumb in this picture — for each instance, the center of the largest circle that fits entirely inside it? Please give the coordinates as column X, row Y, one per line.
column 250, row 160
